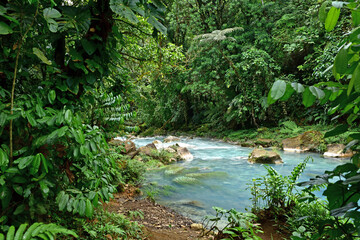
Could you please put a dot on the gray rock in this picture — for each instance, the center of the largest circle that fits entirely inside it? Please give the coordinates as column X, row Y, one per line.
column 264, row 156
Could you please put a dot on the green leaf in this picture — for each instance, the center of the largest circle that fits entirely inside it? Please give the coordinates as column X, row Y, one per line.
column 155, row 23
column 44, row 163
column 5, row 196
column 4, row 160
column 355, row 81
column 5, row 29
column 20, row 232
column 322, row 12
column 19, row 209
column 30, row 118
column 278, row 89
column 45, row 189
column 332, row 18
column 63, row 201
column 29, row 232
column 24, row 161
column 336, row 131
column 299, row 88
column 88, row 46
column 35, row 164
column 89, row 211
column 10, row 234
column 51, row 13
column 82, row 207
column 68, row 116
column 42, row 56
column 317, row 92
column 118, row 7
column 308, row 98
column 341, row 61
column 51, row 96
column 355, row 14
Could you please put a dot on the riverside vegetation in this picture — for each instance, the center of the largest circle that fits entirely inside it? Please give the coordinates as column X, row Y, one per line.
column 74, row 74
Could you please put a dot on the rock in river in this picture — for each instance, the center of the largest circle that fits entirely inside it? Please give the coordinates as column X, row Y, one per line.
column 263, row 156
column 171, row 139
column 305, row 142
column 337, row 151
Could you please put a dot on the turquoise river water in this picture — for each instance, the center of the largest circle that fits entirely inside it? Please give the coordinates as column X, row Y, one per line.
column 228, row 187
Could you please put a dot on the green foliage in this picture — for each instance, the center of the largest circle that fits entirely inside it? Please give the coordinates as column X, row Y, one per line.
column 57, row 59
column 36, row 231
column 238, row 225
column 290, row 127
column 133, row 171
column 109, row 224
column 276, row 192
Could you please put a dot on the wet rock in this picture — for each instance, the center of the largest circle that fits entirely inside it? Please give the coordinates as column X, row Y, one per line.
column 308, row 141
column 128, row 146
column 148, row 149
column 264, row 142
column 197, row 226
column 263, row 156
column 337, row 151
column 171, row 139
column 182, row 152
column 191, row 203
column 157, row 142
column 170, row 150
column 248, row 144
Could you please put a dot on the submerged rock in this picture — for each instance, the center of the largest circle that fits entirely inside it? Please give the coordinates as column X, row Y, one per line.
column 207, row 175
column 173, row 170
column 308, row 141
column 171, row 139
column 337, row 151
column 264, row 156
column 191, row 203
column 186, row 180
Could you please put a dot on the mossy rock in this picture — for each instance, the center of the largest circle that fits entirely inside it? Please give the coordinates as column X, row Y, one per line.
column 183, row 180
column 207, row 175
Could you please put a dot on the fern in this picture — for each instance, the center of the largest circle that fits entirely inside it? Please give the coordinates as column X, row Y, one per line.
column 36, row 231
column 290, row 127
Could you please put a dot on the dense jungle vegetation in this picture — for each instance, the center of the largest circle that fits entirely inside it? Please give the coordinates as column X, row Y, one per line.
column 76, row 73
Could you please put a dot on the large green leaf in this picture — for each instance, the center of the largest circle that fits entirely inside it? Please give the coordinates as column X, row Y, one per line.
column 278, row 89
column 298, row 87
column 51, row 13
column 5, row 29
column 42, row 56
column 332, row 18
column 4, row 160
column 308, row 98
column 76, row 17
column 322, row 12
column 317, row 92
column 88, row 46
column 119, row 7
column 337, row 131
column 355, row 14
column 155, row 23
column 24, row 161
column 82, row 207
column 341, row 61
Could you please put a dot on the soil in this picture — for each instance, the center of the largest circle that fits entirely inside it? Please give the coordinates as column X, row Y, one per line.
column 162, row 223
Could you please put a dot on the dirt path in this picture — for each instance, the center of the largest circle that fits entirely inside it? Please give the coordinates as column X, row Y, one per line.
column 162, row 223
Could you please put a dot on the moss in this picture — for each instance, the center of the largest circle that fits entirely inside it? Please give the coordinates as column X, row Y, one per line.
column 207, row 175
column 173, row 170
column 186, row 180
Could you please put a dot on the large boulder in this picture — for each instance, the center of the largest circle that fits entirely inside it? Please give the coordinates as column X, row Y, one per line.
column 148, row 149
column 182, row 152
column 259, row 155
column 128, row 146
column 308, row 141
column 171, row 139
column 337, row 151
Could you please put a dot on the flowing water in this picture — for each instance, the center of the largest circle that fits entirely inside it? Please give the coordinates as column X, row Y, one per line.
column 226, row 185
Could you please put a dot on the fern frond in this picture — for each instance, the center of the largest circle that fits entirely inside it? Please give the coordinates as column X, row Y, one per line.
column 35, row 231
